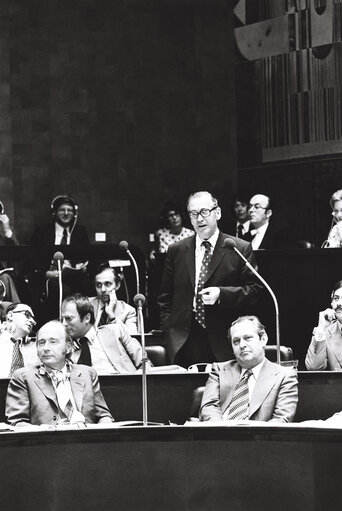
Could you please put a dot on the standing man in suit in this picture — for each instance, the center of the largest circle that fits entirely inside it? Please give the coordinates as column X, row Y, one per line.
column 109, row 348
column 250, row 387
column 106, row 305
column 16, row 349
column 205, row 285
column 325, row 350
column 55, row 392
column 264, row 234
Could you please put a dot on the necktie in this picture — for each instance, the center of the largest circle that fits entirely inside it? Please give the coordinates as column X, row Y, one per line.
column 17, row 357
column 64, row 240
column 239, row 231
column 63, row 395
column 103, row 317
column 238, row 408
column 200, row 311
column 248, row 236
column 85, row 356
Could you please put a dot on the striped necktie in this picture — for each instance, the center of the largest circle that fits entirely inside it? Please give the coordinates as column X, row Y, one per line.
column 238, row 408
column 64, row 240
column 200, row 310
column 17, row 357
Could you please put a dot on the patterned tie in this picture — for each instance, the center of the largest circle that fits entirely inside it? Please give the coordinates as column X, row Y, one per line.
column 239, row 231
column 85, row 356
column 64, row 240
column 238, row 408
column 200, row 311
column 103, row 317
column 63, row 395
column 17, row 357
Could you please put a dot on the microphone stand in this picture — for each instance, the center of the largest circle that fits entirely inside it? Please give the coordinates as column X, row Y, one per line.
column 124, row 246
column 60, row 288
column 275, row 301
column 139, row 300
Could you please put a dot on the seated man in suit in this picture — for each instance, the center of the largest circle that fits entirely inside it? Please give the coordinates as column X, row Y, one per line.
column 109, row 348
column 16, row 350
column 106, row 305
column 56, row 391
column 264, row 233
column 64, row 230
column 325, row 350
column 250, row 387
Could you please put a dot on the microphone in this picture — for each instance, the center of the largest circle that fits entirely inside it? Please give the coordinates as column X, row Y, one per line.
column 139, row 300
column 231, row 244
column 59, row 259
column 125, row 247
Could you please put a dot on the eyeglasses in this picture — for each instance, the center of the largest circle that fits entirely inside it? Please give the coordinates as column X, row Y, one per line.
column 204, row 213
column 27, row 314
column 255, row 206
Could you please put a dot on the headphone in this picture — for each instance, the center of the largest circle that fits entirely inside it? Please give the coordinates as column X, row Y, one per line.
column 2, row 208
column 59, row 198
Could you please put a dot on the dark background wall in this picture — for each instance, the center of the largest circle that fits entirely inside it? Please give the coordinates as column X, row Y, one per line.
column 122, row 104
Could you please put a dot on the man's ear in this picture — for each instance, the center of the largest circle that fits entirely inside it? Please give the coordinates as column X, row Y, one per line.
column 218, row 212
column 269, row 213
column 264, row 339
column 86, row 318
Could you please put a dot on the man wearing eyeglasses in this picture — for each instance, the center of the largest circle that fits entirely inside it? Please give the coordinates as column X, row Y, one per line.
column 264, row 234
column 205, row 286
column 16, row 349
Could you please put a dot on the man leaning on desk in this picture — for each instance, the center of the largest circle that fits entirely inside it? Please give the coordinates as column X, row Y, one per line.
column 55, row 392
column 250, row 387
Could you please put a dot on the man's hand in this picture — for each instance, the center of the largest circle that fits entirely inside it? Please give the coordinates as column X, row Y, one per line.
column 110, row 305
column 210, row 295
column 5, row 224
column 325, row 318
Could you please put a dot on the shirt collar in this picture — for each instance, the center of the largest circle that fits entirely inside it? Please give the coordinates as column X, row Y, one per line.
column 90, row 335
column 212, row 239
column 59, row 229
column 261, row 229
column 255, row 370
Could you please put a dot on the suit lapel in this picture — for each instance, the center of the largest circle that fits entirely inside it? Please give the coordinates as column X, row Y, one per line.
column 334, row 341
column 219, row 252
column 228, row 381
column 45, row 385
column 77, row 383
column 265, row 382
column 110, row 346
column 190, row 258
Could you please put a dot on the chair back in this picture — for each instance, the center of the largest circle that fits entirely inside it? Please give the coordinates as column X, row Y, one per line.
column 286, row 353
column 157, row 355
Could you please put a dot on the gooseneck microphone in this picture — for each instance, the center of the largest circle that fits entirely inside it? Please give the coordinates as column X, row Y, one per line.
column 59, row 259
column 139, row 301
column 124, row 246
column 231, row 244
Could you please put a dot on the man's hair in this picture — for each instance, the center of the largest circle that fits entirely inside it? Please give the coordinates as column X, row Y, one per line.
column 105, row 266
column 335, row 197
column 83, row 305
column 259, row 327
column 336, row 286
column 199, row 194
column 12, row 307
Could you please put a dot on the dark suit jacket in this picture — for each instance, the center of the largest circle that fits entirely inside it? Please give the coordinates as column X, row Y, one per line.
column 31, row 397
column 277, row 237
column 45, row 235
column 274, row 397
column 238, row 285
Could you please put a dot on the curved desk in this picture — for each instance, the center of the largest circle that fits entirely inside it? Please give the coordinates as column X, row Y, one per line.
column 172, row 468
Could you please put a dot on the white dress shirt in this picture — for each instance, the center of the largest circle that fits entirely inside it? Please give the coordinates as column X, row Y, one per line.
column 245, row 227
column 59, row 234
column 251, row 383
column 258, row 235
column 99, row 360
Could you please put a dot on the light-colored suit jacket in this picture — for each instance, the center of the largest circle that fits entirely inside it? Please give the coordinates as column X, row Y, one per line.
column 274, row 397
column 122, row 310
column 123, row 351
column 31, row 397
column 326, row 355
column 28, row 350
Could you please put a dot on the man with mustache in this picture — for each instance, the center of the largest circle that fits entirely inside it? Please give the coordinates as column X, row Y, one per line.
column 325, row 350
